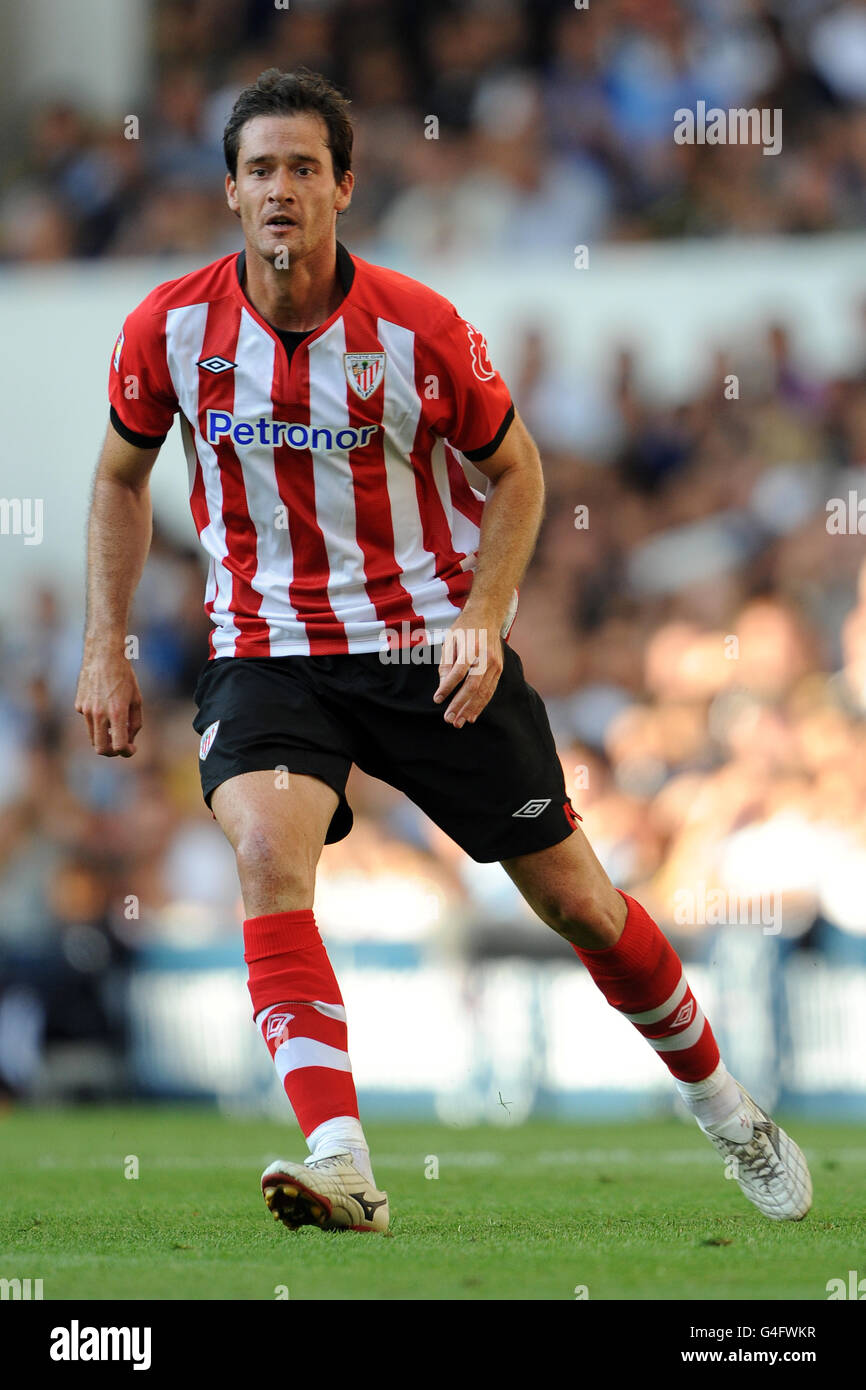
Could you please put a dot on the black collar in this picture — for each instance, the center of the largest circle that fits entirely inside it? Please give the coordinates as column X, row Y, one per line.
column 345, row 268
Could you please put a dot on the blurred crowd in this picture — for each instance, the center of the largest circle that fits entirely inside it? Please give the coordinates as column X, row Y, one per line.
column 512, row 125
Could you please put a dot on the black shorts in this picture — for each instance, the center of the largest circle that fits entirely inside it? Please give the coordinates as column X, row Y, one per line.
column 495, row 787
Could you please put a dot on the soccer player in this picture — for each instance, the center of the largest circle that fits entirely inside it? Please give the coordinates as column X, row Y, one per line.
column 326, row 407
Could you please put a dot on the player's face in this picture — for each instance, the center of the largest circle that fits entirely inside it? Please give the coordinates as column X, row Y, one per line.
column 285, row 192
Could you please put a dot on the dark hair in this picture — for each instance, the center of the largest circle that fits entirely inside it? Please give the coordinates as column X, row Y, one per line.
column 276, row 93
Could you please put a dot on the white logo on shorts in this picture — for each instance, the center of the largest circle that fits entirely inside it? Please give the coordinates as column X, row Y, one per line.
column 532, row 808
column 207, row 739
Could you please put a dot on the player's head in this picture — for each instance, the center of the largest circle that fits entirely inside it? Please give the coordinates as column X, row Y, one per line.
column 288, row 152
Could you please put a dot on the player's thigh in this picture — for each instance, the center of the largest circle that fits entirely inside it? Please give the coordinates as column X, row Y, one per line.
column 276, row 825
column 496, row 787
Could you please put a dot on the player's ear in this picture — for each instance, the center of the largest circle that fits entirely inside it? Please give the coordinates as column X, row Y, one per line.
column 232, row 195
column 344, row 191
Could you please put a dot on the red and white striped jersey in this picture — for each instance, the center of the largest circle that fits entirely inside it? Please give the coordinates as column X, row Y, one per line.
column 327, row 486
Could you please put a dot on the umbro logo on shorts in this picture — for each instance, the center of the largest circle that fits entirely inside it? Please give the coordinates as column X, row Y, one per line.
column 207, row 739
column 531, row 809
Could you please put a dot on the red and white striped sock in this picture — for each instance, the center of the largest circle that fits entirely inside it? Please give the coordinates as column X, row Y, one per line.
column 643, row 978
column 299, row 1010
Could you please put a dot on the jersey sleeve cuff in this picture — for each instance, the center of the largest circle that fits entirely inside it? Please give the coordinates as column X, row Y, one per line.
column 142, row 441
column 477, row 455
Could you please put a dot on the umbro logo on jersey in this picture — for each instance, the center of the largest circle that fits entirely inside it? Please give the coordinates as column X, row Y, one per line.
column 207, row 739
column 217, row 365
column 364, row 371
column 531, row 809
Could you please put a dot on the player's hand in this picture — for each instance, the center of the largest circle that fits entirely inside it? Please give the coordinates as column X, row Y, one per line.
column 471, row 654
column 110, row 700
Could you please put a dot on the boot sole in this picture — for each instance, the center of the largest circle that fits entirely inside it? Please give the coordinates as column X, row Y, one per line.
column 295, row 1205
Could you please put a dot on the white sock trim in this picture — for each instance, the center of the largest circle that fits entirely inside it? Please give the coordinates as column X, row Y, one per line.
column 343, row 1130
column 713, row 1100
column 343, row 1134
column 704, row 1090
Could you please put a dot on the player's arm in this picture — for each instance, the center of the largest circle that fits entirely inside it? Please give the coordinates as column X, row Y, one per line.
column 510, row 522
column 119, row 535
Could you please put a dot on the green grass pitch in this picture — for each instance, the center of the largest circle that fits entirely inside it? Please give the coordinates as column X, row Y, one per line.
column 534, row 1211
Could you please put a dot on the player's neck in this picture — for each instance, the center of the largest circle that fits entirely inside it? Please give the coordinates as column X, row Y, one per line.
column 298, row 299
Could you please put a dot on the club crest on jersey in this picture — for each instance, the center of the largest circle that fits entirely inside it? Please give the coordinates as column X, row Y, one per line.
column 118, row 349
column 207, row 739
column 364, row 371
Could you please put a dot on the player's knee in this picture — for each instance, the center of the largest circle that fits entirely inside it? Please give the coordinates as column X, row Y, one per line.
column 265, row 860
column 589, row 917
